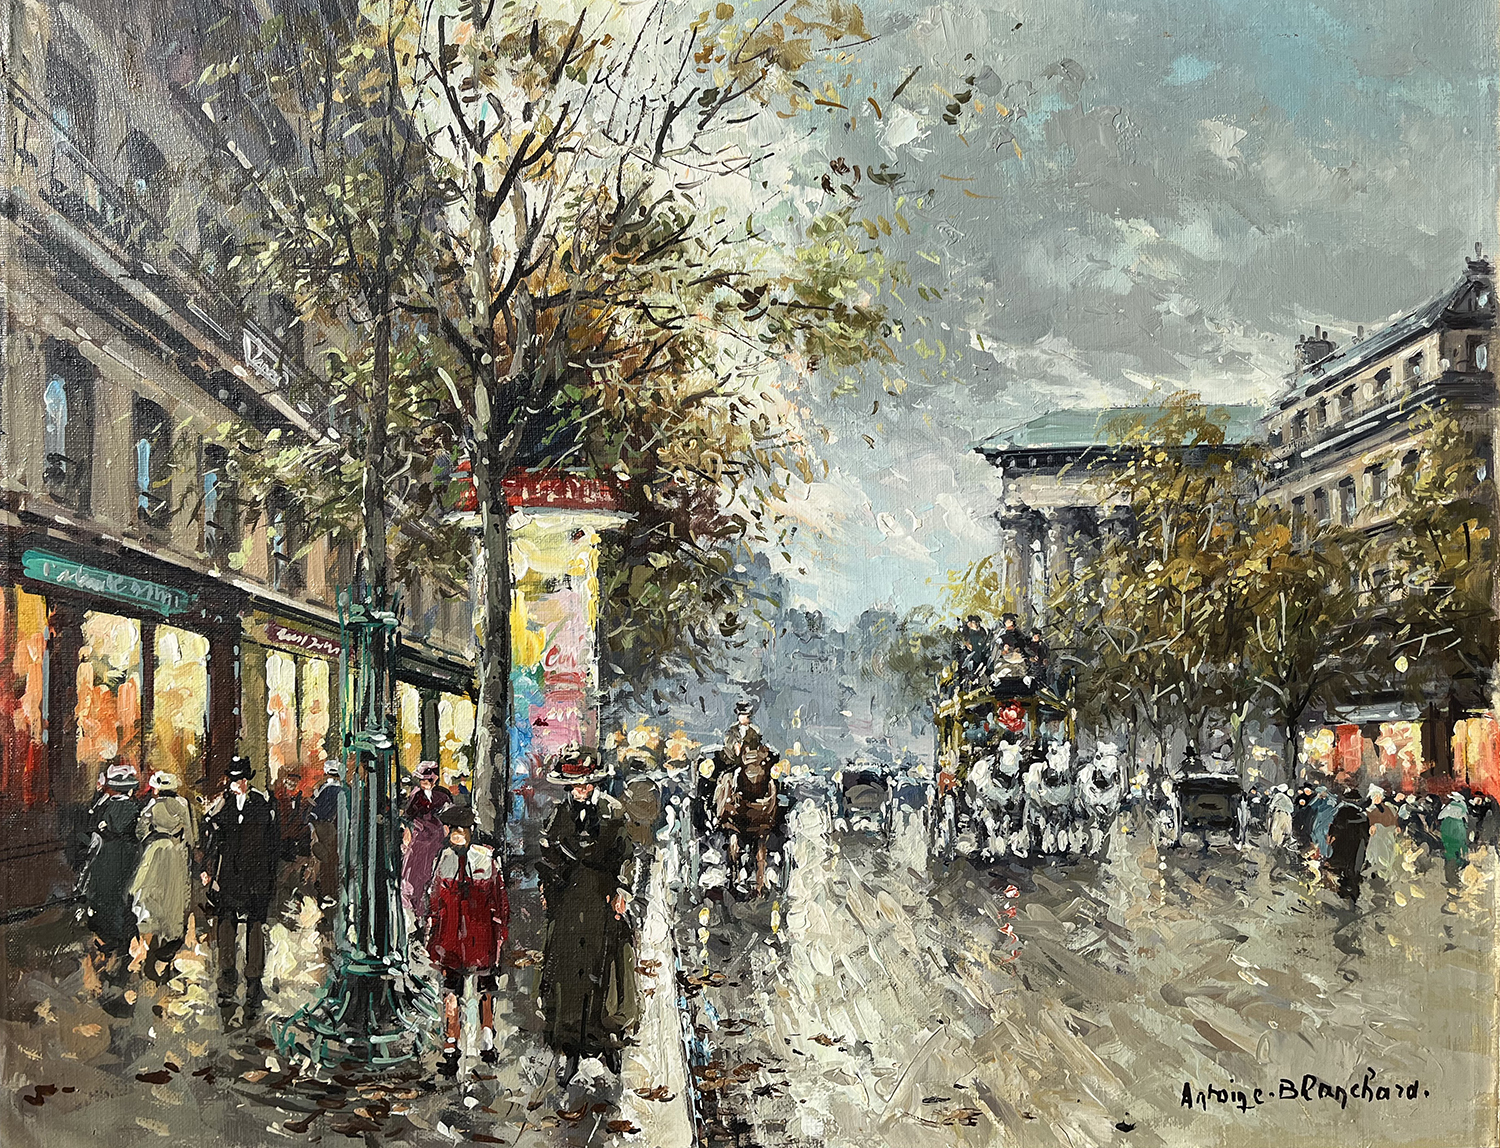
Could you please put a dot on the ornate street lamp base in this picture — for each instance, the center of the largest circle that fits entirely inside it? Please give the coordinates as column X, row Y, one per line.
column 371, row 1012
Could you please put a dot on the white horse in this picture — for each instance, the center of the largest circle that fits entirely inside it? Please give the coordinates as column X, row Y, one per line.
column 1099, row 796
column 1049, row 798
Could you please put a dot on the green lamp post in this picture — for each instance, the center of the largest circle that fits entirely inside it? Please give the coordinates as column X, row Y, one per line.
column 372, row 1010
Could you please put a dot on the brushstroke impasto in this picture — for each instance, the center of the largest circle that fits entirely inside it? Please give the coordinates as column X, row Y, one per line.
column 772, row 573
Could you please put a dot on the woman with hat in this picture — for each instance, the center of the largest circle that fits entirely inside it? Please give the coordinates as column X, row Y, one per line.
column 587, row 869
column 467, row 927
column 422, row 838
column 161, row 892
column 114, row 851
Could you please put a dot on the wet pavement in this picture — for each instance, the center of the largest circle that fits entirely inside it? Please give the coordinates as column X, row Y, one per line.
column 1141, row 1000
column 870, row 998
column 165, row 1065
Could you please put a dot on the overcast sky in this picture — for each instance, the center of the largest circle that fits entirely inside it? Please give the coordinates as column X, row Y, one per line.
column 1198, row 183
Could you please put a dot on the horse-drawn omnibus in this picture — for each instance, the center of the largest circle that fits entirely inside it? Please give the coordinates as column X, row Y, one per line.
column 1006, row 774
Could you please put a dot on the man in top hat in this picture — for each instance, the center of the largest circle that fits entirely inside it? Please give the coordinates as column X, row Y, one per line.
column 114, row 851
column 587, row 869
column 242, row 848
column 468, row 921
column 323, row 821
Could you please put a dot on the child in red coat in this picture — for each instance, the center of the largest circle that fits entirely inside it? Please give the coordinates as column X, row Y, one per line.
column 467, row 925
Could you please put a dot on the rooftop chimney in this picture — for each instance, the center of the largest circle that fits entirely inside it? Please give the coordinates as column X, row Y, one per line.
column 1313, row 350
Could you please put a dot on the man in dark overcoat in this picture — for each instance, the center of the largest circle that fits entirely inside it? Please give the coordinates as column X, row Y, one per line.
column 114, row 852
column 242, row 848
column 587, row 869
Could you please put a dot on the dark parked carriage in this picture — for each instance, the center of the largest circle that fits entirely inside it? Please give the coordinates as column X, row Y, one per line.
column 1211, row 803
column 864, row 798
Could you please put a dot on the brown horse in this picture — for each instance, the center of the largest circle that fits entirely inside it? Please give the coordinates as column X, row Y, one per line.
column 748, row 801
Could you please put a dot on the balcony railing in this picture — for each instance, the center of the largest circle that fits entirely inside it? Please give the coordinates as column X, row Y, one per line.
column 1418, row 392
column 88, row 197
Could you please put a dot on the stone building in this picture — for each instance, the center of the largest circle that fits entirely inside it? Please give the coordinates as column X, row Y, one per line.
column 1051, row 499
column 143, row 615
column 1345, row 428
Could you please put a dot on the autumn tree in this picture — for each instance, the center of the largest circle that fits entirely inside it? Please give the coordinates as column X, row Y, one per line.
column 591, row 257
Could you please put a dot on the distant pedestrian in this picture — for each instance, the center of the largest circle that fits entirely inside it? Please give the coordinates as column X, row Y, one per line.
column 1348, row 841
column 162, row 891
column 422, row 838
column 291, row 821
column 1324, row 805
column 1281, row 816
column 468, row 922
column 587, row 870
column 1384, row 848
column 243, row 845
column 323, row 831
column 114, row 851
column 1453, row 828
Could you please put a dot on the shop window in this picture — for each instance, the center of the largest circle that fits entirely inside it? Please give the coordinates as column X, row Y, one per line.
column 68, row 426
column 408, row 727
column 1377, row 484
column 153, row 476
column 1348, row 502
column 179, row 704
column 220, row 517
column 71, row 100
column 456, row 741
column 315, row 712
column 216, row 246
column 298, row 714
column 23, row 700
column 1320, row 507
column 109, row 700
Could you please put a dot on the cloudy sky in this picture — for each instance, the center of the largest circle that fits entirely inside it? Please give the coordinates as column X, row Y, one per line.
column 1196, row 185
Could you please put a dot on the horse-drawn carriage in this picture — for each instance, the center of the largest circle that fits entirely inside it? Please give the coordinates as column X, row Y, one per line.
column 738, row 816
column 864, row 798
column 1008, row 781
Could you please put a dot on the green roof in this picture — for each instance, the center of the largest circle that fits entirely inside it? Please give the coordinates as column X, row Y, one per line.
column 1084, row 426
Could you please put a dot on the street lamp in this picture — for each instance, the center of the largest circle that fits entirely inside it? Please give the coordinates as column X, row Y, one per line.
column 371, row 1010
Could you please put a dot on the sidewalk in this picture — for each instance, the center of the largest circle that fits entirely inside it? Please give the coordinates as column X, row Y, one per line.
column 170, row 1070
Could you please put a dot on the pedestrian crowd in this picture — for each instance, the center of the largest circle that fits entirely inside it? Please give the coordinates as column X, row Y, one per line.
column 152, row 859
column 1351, row 833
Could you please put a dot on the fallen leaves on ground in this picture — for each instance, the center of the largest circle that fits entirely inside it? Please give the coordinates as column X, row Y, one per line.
column 659, row 1093
column 968, row 1117
column 827, row 1041
column 573, row 1115
column 648, row 968
column 160, row 1076
column 525, row 958
column 622, row 1126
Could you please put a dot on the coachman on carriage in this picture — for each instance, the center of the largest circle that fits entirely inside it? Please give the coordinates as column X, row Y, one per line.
column 739, row 798
column 1007, row 771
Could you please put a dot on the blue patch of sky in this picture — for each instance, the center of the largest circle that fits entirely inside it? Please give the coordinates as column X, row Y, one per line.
column 1189, row 69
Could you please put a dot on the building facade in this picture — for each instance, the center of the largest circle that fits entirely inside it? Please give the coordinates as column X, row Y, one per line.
column 1052, row 506
column 145, row 616
column 1346, row 428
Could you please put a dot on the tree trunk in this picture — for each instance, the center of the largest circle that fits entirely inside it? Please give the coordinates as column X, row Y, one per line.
column 493, row 767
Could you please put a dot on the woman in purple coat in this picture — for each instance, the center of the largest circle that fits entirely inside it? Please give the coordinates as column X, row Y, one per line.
column 424, row 838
